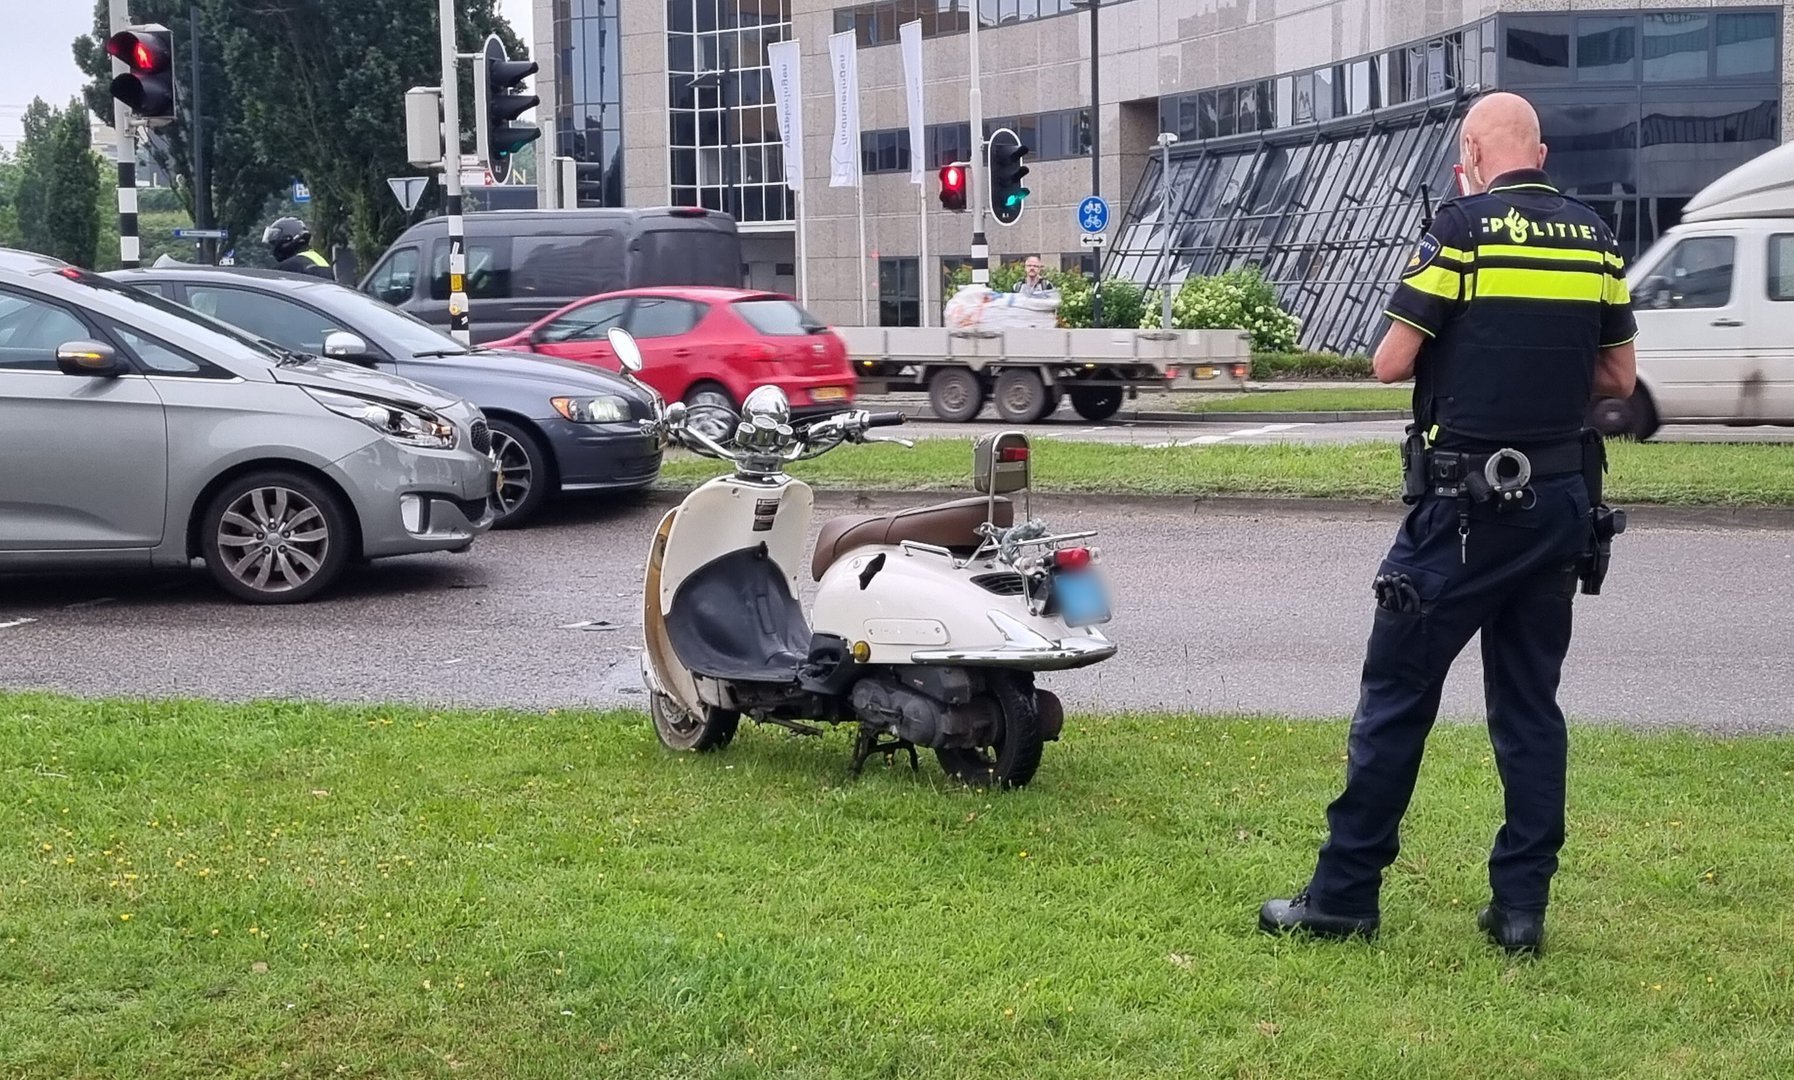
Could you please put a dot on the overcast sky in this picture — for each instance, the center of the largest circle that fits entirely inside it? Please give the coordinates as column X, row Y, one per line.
column 36, row 60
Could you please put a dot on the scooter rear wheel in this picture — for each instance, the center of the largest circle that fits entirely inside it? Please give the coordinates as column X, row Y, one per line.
column 681, row 730
column 1015, row 757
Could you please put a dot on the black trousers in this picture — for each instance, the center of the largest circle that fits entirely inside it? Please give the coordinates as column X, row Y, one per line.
column 1515, row 582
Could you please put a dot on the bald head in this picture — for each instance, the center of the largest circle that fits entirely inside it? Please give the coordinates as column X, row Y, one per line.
column 1500, row 134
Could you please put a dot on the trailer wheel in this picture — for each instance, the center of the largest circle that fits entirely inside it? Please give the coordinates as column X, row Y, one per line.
column 956, row 395
column 1096, row 402
column 1021, row 396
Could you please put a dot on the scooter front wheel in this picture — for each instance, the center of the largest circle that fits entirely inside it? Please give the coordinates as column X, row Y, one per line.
column 679, row 729
column 1015, row 756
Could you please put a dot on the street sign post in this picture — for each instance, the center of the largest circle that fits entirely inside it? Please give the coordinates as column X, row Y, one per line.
column 202, row 234
column 1093, row 214
column 408, row 190
column 301, row 193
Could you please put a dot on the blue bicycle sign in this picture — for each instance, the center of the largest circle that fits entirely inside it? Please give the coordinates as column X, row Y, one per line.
column 1093, row 214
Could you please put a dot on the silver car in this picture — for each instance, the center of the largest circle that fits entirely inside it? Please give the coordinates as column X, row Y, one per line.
column 135, row 433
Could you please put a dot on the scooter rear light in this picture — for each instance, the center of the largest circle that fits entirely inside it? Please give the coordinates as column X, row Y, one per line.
column 1013, row 453
column 1076, row 558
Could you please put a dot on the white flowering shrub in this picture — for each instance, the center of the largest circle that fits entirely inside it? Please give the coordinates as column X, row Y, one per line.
column 1236, row 300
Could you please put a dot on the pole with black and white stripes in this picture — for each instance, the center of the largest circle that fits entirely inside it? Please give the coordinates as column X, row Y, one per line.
column 980, row 171
column 460, row 316
column 129, row 249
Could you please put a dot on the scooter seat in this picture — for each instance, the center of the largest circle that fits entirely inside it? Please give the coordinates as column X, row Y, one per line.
column 952, row 525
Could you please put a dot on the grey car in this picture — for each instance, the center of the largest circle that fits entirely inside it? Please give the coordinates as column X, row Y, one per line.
column 557, row 426
column 137, row 434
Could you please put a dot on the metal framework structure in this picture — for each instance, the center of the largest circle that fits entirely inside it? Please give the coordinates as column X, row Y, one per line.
column 1330, row 213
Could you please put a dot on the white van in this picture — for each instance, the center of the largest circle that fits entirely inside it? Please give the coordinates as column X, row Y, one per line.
column 1714, row 299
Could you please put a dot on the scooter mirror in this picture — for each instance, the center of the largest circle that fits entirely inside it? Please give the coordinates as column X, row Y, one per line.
column 1000, row 463
column 629, row 354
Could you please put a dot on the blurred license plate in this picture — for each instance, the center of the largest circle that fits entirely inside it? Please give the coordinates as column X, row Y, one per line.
column 1082, row 599
column 828, row 393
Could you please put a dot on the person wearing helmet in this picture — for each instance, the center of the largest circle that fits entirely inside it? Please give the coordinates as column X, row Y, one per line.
column 290, row 241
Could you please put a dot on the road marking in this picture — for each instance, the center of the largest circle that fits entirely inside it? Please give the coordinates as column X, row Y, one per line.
column 15, row 622
column 1211, row 440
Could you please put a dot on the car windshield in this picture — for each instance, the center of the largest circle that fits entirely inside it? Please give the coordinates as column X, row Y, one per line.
column 777, row 318
column 152, row 312
column 406, row 333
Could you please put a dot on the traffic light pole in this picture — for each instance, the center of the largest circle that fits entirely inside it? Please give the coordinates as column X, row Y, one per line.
column 129, row 250
column 460, row 317
column 978, row 175
column 202, row 189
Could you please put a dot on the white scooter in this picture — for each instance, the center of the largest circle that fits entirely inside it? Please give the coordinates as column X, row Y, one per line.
column 928, row 624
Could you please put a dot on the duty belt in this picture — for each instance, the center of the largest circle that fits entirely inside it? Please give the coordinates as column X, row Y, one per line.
column 1502, row 475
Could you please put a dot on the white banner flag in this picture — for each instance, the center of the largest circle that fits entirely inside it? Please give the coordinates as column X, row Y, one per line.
column 788, row 99
column 910, row 35
column 844, row 150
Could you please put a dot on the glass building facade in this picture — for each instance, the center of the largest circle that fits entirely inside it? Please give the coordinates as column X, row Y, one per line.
column 723, row 131
column 588, row 120
column 1323, row 178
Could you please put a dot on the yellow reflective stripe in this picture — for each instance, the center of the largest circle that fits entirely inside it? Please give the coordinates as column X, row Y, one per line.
column 1617, row 344
column 1614, row 261
column 1545, row 254
column 1410, row 322
column 1459, row 256
column 1508, row 282
column 1616, row 292
column 314, row 257
column 1437, row 281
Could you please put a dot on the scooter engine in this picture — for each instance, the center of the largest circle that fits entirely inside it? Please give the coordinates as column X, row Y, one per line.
column 923, row 720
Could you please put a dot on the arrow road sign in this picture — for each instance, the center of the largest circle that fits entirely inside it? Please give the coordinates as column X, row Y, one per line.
column 1093, row 214
column 408, row 190
column 1091, row 239
column 201, row 234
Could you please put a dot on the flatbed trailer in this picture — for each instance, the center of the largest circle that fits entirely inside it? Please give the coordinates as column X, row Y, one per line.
column 1025, row 373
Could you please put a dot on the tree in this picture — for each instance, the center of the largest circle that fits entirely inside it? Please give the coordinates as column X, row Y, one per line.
column 9, row 197
column 57, row 206
column 308, row 89
column 239, row 177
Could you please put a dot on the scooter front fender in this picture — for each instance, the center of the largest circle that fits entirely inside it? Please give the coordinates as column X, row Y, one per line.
column 661, row 671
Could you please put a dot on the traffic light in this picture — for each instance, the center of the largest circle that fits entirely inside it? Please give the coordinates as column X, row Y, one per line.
column 953, row 186
column 1007, row 167
column 147, row 85
column 498, row 99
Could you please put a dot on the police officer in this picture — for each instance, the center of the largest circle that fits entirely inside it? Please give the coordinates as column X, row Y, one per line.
column 290, row 241
column 1510, row 317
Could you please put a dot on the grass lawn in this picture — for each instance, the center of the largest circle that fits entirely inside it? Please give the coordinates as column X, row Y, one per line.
column 1344, row 399
column 196, row 890
column 1726, row 474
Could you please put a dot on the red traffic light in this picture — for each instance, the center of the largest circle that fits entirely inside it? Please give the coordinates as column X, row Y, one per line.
column 139, row 51
column 953, row 186
column 147, row 86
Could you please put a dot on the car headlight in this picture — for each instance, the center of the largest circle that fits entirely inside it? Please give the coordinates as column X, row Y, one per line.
column 594, row 410
column 413, row 427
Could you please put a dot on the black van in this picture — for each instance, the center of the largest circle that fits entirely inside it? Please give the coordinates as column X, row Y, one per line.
column 524, row 264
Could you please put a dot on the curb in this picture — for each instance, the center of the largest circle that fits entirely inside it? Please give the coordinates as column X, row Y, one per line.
column 922, row 412
column 1650, row 515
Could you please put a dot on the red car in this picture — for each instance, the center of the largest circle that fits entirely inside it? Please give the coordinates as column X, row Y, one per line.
column 705, row 346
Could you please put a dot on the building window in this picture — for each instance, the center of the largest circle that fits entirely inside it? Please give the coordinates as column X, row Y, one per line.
column 588, row 118
column 885, row 151
column 724, row 151
column 1745, row 44
column 876, row 23
column 947, row 143
column 1538, row 50
column 1606, row 49
column 899, row 293
column 1676, row 45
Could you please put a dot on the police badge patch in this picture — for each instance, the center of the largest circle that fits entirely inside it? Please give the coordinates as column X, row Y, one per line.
column 1423, row 257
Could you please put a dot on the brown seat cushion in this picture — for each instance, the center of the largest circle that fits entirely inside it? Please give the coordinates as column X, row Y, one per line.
column 951, row 525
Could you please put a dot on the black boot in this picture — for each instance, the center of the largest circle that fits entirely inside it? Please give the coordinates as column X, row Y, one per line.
column 1515, row 931
column 1299, row 913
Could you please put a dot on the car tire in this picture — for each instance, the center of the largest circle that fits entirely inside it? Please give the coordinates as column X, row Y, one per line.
column 525, row 471
column 276, row 537
column 706, row 403
column 1096, row 402
column 956, row 395
column 1021, row 397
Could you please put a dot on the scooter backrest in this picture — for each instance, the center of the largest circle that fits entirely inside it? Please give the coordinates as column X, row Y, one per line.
column 1000, row 463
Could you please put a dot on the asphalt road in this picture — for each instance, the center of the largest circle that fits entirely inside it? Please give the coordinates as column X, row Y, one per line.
column 1218, row 610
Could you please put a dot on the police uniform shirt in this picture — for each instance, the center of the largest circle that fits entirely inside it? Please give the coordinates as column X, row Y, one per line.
column 1517, row 289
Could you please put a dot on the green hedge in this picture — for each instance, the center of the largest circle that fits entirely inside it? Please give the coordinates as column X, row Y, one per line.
column 1309, row 365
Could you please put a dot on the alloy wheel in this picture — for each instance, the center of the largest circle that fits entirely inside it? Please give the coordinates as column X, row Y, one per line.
column 273, row 539
column 516, row 476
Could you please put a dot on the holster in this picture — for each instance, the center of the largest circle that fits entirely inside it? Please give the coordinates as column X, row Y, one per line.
column 1605, row 523
column 1414, row 465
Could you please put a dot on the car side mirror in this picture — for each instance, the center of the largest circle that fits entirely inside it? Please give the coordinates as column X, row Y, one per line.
column 90, row 358
column 629, row 354
column 342, row 345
